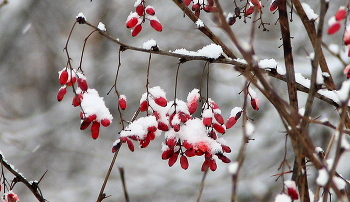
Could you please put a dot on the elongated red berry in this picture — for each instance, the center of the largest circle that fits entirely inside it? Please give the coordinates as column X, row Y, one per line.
column 190, row 152
column 207, row 121
column 187, row 2
column 219, row 118
column 341, row 13
column 223, row 158
column 144, row 143
column 91, row 118
column 61, row 93
column 183, row 162
column 249, row 11
column 143, row 105
column 63, row 77
column 293, row 193
column 105, row 122
column 122, row 102
column 150, row 10
column 72, row 81
column 95, row 129
column 156, row 25
column 82, row 84
column 187, row 145
column 333, row 28
column 192, row 107
column 162, row 126
column 84, row 125
column 255, row 103
column 167, row 154
column 132, row 22
column 173, row 159
column 171, row 142
column 196, row 7
column 136, row 30
column 231, row 122
column 347, row 37
column 212, row 165
column 205, row 166
column 273, row 6
column 77, row 100
column 140, row 9
column 161, row 101
column 130, row 145
column 226, row 148
column 219, row 128
column 151, row 136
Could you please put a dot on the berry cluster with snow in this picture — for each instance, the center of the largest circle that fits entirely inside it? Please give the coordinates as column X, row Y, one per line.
column 93, row 109
column 142, row 13
column 185, row 135
column 205, row 5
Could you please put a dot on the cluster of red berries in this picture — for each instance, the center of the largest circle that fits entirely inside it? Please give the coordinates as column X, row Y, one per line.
column 185, row 135
column 141, row 14
column 10, row 197
column 208, row 6
column 94, row 112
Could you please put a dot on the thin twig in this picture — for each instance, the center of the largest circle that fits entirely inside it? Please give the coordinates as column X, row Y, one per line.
column 122, row 177
column 202, row 185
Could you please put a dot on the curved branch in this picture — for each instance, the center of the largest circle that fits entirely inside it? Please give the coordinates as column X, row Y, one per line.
column 32, row 186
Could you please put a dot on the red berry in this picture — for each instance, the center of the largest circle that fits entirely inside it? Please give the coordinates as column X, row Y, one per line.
column 219, row 128
column 293, row 193
column 151, row 136
column 207, row 121
column 167, row 154
column 273, row 6
column 130, row 145
column 213, row 135
column 190, row 152
column 105, row 122
column 144, row 143
column 334, row 28
column 136, row 30
column 95, row 129
column 91, row 118
column 183, row 162
column 150, row 10
column 156, row 25
column 341, row 13
column 187, row 145
column 196, row 7
column 210, row 2
column 176, row 127
column 72, row 81
column 255, row 2
column 224, row 159
column 171, row 142
column 140, row 9
column 187, row 2
column 249, row 11
column 192, row 107
column 143, row 105
column 347, row 37
column 212, row 165
column 226, row 149
column 161, row 101
column 61, row 93
column 84, row 125
column 82, row 84
column 152, row 129
column 231, row 122
column 205, row 166
column 122, row 102
column 173, row 159
column 162, row 126
column 219, row 118
column 77, row 100
column 132, row 22
column 254, row 103
column 63, row 77
column 231, row 20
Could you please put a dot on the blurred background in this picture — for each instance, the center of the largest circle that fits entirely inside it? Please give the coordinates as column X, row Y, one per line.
column 39, row 134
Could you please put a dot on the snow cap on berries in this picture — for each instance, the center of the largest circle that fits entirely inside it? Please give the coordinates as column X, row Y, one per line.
column 92, row 103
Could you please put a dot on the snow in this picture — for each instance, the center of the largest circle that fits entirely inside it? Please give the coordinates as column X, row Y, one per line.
column 139, row 127
column 271, row 63
column 235, row 110
column 157, row 92
column 343, row 92
column 199, row 23
column 290, row 184
column 334, row 48
column 339, row 183
column 283, row 198
column 148, row 45
column 322, row 178
column 319, row 150
column 80, row 15
column 137, row 2
column 122, row 97
column 210, row 51
column 232, row 168
column 301, row 111
column 309, row 12
column 193, row 96
column 302, row 80
column 92, row 103
column 325, row 74
column 207, row 113
column 101, row 27
column 241, row 60
column 249, row 129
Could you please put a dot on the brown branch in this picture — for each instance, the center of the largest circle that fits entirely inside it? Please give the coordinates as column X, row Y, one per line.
column 32, row 186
